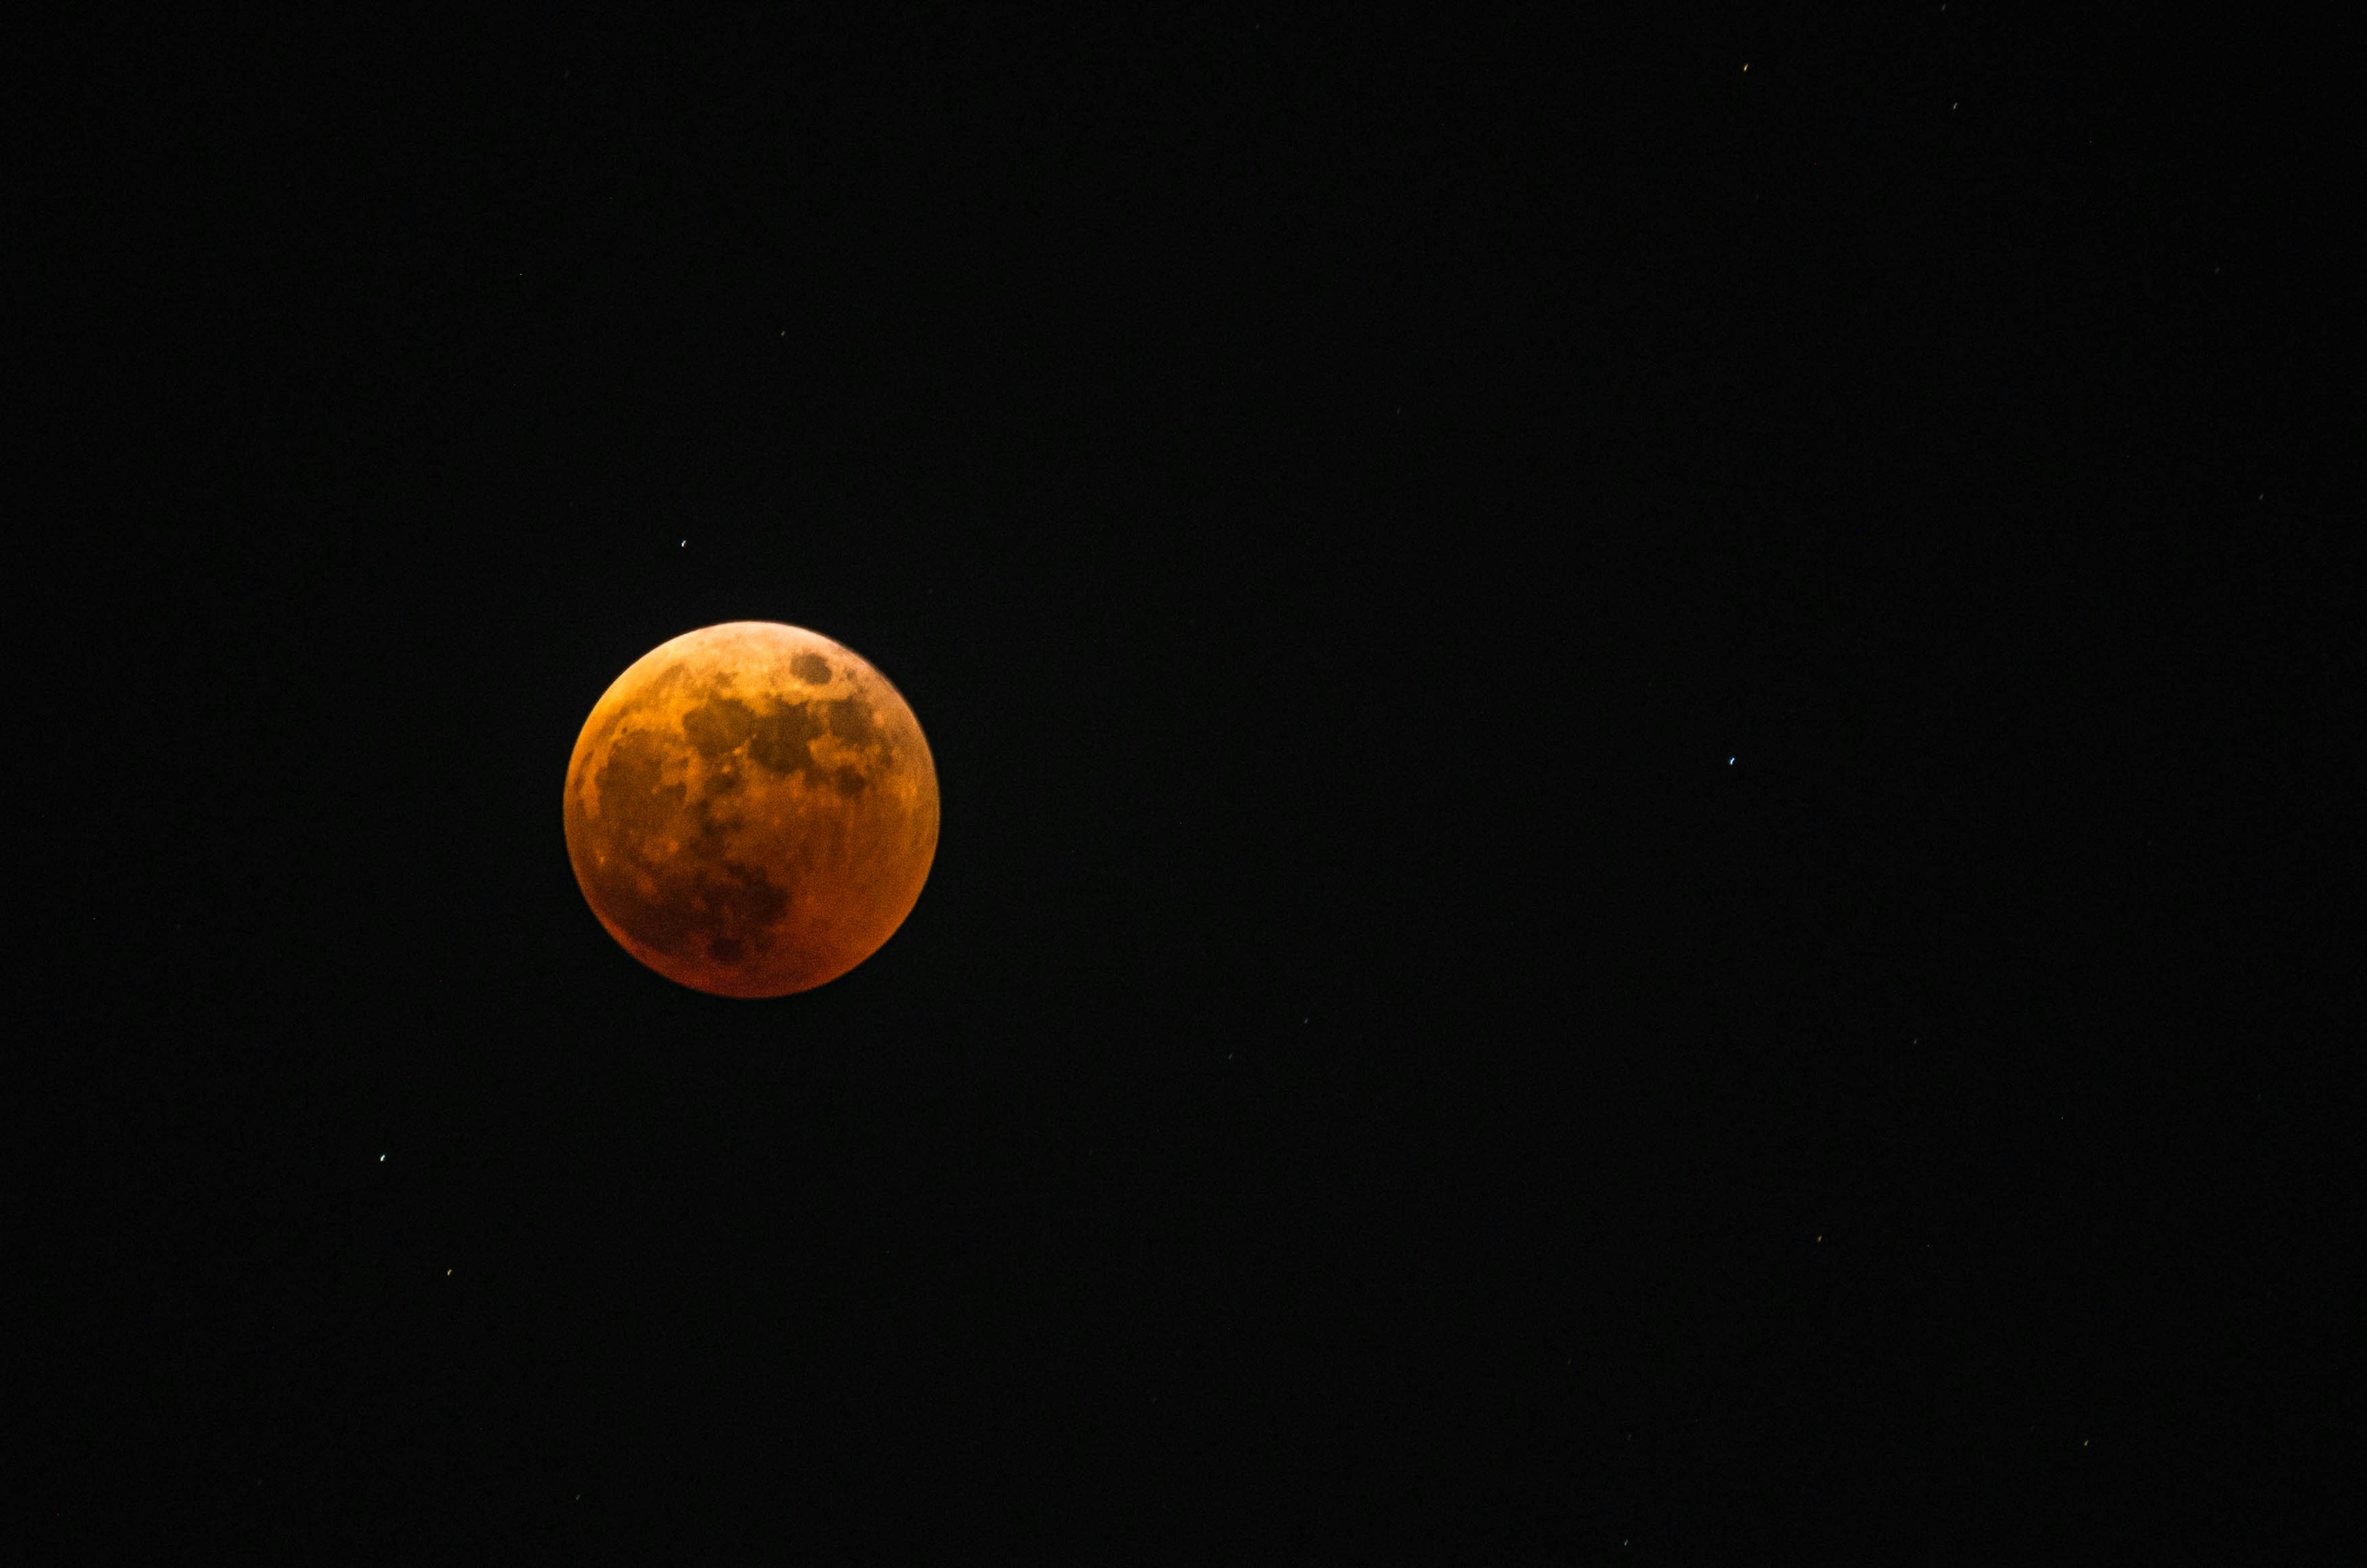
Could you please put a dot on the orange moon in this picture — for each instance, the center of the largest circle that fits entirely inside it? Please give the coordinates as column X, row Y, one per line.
column 751, row 809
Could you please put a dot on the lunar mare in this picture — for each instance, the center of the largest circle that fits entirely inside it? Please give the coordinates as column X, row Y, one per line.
column 751, row 809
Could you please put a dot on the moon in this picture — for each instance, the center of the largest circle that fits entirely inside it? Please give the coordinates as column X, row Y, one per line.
column 751, row 809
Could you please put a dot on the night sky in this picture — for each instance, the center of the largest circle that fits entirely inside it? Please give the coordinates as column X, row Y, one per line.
column 1645, row 770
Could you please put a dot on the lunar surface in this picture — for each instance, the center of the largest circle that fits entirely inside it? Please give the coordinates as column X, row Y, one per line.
column 751, row 809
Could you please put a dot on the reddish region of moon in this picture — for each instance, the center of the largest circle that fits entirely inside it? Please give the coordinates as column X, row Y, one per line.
column 751, row 809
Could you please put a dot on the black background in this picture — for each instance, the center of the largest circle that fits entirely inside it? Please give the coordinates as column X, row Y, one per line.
column 1642, row 767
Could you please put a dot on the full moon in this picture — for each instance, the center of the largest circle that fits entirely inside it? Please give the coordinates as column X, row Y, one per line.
column 751, row 809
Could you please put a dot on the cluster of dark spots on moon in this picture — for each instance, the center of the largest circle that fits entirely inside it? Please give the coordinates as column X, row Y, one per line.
column 598, row 744
column 810, row 668
column 718, row 724
column 740, row 905
column 850, row 782
column 694, row 900
column 728, row 777
column 634, row 795
column 717, row 813
column 692, row 904
column 782, row 740
column 850, row 720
